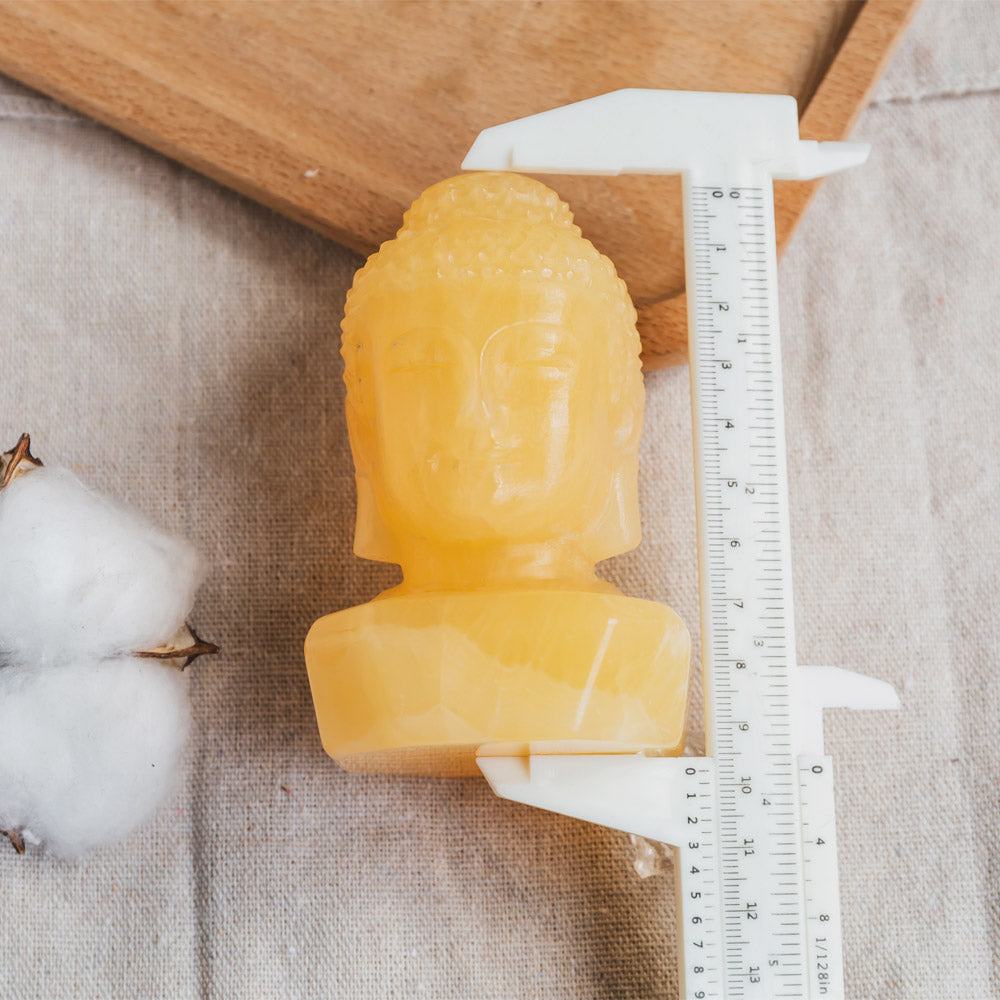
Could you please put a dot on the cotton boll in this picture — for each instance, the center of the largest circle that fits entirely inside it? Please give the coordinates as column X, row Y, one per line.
column 88, row 749
column 80, row 573
column 91, row 729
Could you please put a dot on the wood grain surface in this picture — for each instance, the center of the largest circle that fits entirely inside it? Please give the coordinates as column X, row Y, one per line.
column 338, row 114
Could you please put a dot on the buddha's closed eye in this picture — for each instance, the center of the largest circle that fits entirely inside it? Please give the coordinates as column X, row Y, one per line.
column 531, row 346
column 425, row 349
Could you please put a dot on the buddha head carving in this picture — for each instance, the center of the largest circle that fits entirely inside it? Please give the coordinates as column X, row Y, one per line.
column 494, row 391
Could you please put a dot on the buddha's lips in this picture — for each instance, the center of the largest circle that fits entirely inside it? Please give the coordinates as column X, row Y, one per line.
column 437, row 462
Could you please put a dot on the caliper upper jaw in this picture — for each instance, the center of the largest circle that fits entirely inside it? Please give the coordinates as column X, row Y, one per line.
column 640, row 131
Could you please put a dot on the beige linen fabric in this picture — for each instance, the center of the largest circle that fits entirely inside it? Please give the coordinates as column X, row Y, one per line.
column 178, row 346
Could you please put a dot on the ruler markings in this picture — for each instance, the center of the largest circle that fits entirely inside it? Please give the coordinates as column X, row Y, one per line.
column 752, row 844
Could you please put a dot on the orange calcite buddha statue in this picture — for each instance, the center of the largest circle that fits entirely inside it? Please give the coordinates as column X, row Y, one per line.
column 494, row 403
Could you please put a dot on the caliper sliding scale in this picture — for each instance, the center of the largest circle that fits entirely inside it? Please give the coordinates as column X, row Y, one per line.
column 752, row 822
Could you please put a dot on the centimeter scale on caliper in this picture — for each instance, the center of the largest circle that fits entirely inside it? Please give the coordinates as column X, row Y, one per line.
column 752, row 821
column 776, row 918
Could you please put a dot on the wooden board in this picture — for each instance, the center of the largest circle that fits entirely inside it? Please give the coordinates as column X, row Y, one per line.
column 339, row 113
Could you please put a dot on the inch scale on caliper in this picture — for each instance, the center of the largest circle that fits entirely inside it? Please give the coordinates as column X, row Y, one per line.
column 752, row 822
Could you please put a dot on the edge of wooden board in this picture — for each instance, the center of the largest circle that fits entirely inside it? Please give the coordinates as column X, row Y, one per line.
column 165, row 124
column 830, row 115
column 831, row 112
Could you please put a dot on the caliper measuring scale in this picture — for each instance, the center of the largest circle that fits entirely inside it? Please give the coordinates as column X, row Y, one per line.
column 752, row 821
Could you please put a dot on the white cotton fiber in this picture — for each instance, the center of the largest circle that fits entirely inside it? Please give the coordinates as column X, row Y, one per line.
column 88, row 749
column 90, row 733
column 80, row 574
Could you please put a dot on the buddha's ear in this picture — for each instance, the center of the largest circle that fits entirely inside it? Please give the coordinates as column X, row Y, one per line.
column 626, row 393
column 628, row 429
column 618, row 530
column 372, row 539
column 371, row 536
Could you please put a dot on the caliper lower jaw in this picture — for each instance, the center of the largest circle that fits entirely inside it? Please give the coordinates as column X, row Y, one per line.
column 641, row 793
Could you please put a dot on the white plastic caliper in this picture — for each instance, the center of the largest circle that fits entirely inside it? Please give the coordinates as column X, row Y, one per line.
column 753, row 821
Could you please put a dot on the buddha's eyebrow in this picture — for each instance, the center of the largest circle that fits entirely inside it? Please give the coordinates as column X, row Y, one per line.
column 430, row 333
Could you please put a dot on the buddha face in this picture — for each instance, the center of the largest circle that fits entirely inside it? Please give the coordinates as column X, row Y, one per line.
column 491, row 419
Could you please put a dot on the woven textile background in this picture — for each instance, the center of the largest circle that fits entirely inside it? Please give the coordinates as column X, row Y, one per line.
column 178, row 346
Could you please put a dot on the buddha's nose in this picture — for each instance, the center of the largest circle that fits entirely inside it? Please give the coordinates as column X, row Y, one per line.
column 480, row 422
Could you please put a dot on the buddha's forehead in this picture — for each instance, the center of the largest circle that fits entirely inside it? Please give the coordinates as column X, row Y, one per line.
column 476, row 310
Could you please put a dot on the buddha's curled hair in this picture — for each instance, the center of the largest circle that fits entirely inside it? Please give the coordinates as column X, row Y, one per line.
column 490, row 224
